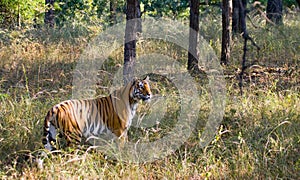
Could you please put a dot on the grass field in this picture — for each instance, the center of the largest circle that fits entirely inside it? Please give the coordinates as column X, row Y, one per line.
column 259, row 136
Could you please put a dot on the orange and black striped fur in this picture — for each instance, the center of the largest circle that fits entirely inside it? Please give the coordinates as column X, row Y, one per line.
column 77, row 119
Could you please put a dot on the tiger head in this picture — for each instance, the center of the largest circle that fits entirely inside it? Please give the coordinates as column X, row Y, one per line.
column 141, row 89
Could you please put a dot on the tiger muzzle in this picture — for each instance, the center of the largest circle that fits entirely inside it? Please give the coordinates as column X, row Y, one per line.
column 146, row 97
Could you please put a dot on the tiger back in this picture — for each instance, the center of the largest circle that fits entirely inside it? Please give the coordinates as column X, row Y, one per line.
column 111, row 115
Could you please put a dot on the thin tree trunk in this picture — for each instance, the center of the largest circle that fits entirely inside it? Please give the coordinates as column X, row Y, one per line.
column 237, row 16
column 112, row 11
column 246, row 38
column 130, row 40
column 225, row 53
column 49, row 14
column 193, row 37
column 19, row 15
column 139, row 15
column 242, row 14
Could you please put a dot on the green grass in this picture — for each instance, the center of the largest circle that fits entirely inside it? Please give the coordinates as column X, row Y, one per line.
column 258, row 138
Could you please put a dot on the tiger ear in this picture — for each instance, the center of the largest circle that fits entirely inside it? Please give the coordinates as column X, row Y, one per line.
column 134, row 79
column 146, row 78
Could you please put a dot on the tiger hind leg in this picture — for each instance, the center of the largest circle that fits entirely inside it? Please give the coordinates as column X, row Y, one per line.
column 49, row 140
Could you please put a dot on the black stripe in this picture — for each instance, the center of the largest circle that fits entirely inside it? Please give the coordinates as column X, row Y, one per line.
column 92, row 109
column 99, row 108
column 95, row 110
column 104, row 108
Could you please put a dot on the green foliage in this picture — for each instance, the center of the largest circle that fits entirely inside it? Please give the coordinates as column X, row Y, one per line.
column 102, row 7
column 72, row 11
column 31, row 12
column 16, row 12
column 169, row 8
column 105, row 8
column 86, row 12
column 288, row 3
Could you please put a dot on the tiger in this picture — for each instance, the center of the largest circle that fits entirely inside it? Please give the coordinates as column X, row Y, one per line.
column 75, row 120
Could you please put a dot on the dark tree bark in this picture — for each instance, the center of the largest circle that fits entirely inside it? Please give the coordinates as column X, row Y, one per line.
column 237, row 15
column 130, row 39
column 192, row 64
column 298, row 1
column 225, row 53
column 274, row 11
column 139, row 15
column 49, row 14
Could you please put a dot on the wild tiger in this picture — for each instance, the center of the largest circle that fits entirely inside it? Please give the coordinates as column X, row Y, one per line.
column 75, row 119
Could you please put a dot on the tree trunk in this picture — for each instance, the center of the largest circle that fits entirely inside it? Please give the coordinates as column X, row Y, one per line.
column 243, row 11
column 298, row 1
column 130, row 40
column 246, row 37
column 237, row 16
column 49, row 14
column 225, row 53
column 274, row 11
column 192, row 65
column 139, row 15
column 19, row 15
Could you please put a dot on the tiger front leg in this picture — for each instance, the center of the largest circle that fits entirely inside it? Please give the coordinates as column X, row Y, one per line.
column 73, row 140
column 122, row 141
column 122, row 138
